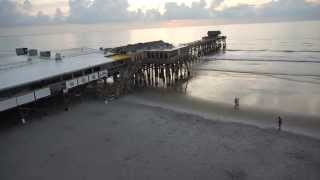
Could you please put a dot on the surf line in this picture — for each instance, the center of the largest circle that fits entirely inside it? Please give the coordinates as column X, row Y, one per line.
column 261, row 60
column 271, row 50
column 257, row 73
column 293, row 80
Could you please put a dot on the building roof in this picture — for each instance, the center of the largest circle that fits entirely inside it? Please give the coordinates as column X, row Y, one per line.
column 166, row 49
column 17, row 70
column 142, row 46
column 214, row 33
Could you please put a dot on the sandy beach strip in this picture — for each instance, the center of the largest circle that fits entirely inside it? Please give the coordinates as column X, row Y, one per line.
column 128, row 140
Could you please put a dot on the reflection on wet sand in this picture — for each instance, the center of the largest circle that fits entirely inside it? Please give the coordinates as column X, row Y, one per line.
column 223, row 110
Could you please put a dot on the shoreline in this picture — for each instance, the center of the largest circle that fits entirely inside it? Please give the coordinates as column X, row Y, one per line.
column 266, row 119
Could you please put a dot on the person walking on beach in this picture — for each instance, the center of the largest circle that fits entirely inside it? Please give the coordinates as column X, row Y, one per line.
column 279, row 123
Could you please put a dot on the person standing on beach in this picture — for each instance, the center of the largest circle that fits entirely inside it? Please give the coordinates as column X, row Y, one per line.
column 236, row 103
column 279, row 123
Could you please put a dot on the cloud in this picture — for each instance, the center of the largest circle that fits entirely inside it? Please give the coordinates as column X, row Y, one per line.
column 216, row 3
column 152, row 14
column 58, row 16
column 27, row 6
column 242, row 11
column 197, row 10
column 8, row 13
column 290, row 9
column 87, row 11
column 13, row 13
column 148, row 15
column 273, row 10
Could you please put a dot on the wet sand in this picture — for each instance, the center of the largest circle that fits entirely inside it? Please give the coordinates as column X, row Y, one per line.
column 126, row 139
column 304, row 124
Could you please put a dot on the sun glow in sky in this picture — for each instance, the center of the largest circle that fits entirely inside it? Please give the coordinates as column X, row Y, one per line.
column 43, row 12
column 49, row 6
column 159, row 4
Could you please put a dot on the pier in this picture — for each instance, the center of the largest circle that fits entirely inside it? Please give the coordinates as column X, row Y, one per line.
column 159, row 64
column 26, row 78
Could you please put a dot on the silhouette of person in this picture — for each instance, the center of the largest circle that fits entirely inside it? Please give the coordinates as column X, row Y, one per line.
column 236, row 103
column 279, row 123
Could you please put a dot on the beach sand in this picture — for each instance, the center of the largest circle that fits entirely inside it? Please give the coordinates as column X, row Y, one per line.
column 126, row 139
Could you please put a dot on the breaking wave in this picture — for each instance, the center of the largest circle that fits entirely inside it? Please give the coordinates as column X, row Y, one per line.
column 272, row 50
column 262, row 60
column 258, row 73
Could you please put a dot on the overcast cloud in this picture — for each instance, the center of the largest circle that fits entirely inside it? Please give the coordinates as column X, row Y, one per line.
column 197, row 10
column 14, row 13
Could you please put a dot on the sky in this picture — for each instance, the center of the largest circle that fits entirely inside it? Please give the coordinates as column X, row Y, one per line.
column 51, row 5
column 35, row 12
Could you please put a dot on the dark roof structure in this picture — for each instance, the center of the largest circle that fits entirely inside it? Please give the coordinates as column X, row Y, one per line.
column 212, row 34
column 142, row 46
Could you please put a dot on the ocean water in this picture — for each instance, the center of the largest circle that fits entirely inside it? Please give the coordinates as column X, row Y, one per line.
column 269, row 66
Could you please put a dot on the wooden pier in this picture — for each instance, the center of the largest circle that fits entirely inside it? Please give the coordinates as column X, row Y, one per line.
column 162, row 67
column 29, row 78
